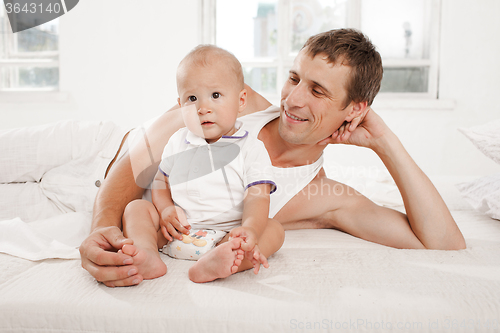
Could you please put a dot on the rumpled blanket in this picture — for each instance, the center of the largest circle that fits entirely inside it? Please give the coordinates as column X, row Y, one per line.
column 55, row 237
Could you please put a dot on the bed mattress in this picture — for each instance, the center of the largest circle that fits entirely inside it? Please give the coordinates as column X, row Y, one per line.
column 319, row 281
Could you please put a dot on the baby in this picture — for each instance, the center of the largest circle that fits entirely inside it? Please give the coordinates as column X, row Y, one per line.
column 214, row 177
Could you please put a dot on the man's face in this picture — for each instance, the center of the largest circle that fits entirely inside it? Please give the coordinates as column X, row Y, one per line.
column 312, row 99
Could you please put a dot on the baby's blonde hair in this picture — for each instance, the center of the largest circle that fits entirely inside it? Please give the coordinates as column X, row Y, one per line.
column 205, row 54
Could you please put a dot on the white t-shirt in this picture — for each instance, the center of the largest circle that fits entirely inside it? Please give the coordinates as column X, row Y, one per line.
column 289, row 181
column 208, row 181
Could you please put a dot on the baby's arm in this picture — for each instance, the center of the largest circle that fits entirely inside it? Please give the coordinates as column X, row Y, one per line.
column 256, row 208
column 254, row 221
column 170, row 223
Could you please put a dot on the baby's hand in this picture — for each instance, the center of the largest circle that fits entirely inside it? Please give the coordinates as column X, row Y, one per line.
column 173, row 221
column 248, row 238
column 256, row 258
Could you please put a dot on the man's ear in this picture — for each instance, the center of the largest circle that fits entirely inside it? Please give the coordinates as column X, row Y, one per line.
column 357, row 110
column 243, row 100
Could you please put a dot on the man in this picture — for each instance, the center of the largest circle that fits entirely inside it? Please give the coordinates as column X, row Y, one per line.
column 325, row 100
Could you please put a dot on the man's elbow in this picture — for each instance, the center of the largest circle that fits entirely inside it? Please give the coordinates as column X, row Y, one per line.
column 458, row 244
column 452, row 244
column 456, row 241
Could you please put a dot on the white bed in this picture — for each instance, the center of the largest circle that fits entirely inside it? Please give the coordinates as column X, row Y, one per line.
column 320, row 281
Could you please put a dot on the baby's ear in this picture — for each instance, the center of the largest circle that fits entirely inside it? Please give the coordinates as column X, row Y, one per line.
column 179, row 101
column 243, row 100
column 356, row 111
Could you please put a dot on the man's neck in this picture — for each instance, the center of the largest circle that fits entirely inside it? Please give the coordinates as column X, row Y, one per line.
column 284, row 154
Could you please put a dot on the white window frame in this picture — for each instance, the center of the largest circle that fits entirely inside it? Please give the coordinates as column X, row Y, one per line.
column 284, row 60
column 433, row 29
column 24, row 59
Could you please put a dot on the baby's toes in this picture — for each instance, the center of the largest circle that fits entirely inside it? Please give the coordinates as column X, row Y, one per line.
column 130, row 250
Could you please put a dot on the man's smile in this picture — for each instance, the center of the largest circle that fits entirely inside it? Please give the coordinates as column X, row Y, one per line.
column 289, row 115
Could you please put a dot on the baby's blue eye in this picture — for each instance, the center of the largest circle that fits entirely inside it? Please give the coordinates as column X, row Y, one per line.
column 192, row 98
column 215, row 95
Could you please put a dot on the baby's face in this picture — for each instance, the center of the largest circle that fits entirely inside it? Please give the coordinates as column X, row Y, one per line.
column 211, row 99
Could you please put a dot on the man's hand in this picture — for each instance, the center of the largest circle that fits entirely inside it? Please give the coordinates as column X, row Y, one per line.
column 249, row 238
column 172, row 221
column 102, row 259
column 364, row 131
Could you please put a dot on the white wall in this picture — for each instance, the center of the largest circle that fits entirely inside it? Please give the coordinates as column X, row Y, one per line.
column 118, row 61
column 470, row 75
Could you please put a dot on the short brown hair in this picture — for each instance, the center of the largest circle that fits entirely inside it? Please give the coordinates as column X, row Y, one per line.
column 352, row 48
column 204, row 54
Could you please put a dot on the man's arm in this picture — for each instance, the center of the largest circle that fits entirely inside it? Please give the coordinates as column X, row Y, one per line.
column 427, row 215
column 99, row 251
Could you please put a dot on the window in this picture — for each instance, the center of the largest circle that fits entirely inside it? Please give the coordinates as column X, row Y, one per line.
column 266, row 35
column 29, row 59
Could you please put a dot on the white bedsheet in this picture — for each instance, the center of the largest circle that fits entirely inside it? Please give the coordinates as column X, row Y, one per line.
column 55, row 237
column 320, row 281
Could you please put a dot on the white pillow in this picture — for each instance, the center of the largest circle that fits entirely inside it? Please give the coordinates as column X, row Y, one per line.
column 483, row 194
column 486, row 138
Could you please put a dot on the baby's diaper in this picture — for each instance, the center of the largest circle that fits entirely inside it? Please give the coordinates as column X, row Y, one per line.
column 194, row 245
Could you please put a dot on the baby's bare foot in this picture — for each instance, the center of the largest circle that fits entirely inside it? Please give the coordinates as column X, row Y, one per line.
column 218, row 263
column 148, row 263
